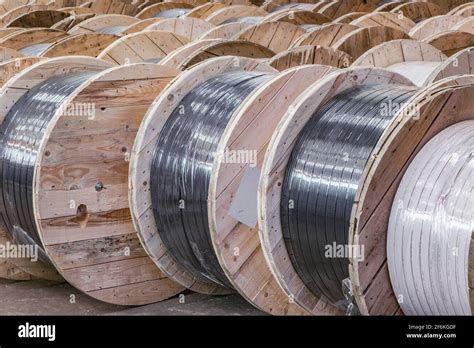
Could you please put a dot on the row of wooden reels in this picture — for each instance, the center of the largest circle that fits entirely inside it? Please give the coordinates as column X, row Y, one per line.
column 105, row 242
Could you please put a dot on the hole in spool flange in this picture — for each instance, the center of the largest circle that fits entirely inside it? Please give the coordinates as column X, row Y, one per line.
column 82, row 216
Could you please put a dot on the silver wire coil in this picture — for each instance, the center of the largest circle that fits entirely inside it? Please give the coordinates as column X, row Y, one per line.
column 322, row 178
column 21, row 134
column 116, row 29
column 181, row 170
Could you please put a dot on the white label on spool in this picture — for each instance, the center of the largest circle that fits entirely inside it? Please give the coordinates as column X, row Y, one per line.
column 244, row 205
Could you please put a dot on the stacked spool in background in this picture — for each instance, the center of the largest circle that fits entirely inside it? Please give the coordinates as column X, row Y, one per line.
column 416, row 42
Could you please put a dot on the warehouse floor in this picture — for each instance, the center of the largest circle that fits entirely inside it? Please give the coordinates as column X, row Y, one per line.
column 38, row 297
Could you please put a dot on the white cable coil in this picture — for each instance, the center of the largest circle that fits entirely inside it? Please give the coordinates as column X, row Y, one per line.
column 431, row 226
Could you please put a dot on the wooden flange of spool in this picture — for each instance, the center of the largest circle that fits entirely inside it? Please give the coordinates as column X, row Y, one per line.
column 386, row 19
column 141, row 47
column 420, row 62
column 434, row 25
column 140, row 163
column 16, row 12
column 431, row 110
column 413, row 59
column 467, row 25
column 451, row 41
column 250, row 129
column 227, row 48
column 205, row 10
column 448, row 5
column 296, row 17
column 7, row 53
column 274, row 166
column 349, row 17
column 85, row 44
column 8, row 31
column 277, row 36
column 188, row 27
column 155, row 9
column 22, row 267
column 25, row 38
column 38, row 19
column 92, row 242
column 98, row 23
column 77, row 10
column 179, row 56
column 225, row 31
column 235, row 11
column 336, row 9
column 277, row 5
column 112, row 7
column 327, row 35
column 303, row 55
column 361, row 40
column 418, row 11
column 71, row 21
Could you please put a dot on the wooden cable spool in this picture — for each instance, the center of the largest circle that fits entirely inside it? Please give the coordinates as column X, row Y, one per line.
column 349, row 17
column 123, row 7
column 262, row 291
column 296, row 17
column 141, row 47
column 417, row 11
column 326, row 35
column 156, row 9
column 7, row 31
column 188, row 27
column 102, row 22
column 339, row 8
column 467, row 25
column 361, row 40
column 85, row 44
column 227, row 48
column 38, row 19
column 225, row 31
column 433, row 109
column 91, row 241
column 205, row 10
column 70, row 22
column 465, row 10
column 21, row 40
column 274, row 167
column 434, row 25
column 139, row 26
column 448, row 5
column 386, row 19
column 277, row 36
column 451, row 41
column 179, row 56
column 77, row 11
column 237, row 11
column 388, row 6
column 21, row 268
column 16, row 12
column 7, row 53
column 303, row 55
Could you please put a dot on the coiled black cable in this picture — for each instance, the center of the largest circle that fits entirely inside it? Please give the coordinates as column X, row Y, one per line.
column 181, row 169
column 21, row 134
column 322, row 178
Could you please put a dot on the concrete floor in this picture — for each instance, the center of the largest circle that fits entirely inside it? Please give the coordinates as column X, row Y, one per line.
column 39, row 297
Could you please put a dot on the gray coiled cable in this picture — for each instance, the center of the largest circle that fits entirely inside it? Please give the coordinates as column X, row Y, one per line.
column 21, row 134
column 322, row 178
column 36, row 49
column 181, row 169
column 117, row 29
column 173, row 13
